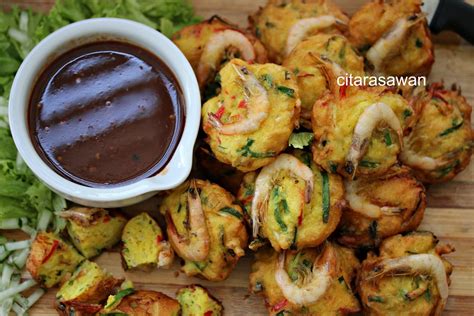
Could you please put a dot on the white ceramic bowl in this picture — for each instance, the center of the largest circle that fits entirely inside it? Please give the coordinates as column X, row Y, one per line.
column 76, row 34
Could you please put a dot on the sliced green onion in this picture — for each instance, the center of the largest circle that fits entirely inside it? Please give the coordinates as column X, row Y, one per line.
column 10, row 223
column 23, row 25
column 20, row 257
column 4, row 253
column 18, row 35
column 17, row 245
column 231, row 211
column 22, row 301
column 6, row 276
column 16, row 289
column 119, row 296
column 387, row 137
column 35, row 296
column 43, row 220
column 6, row 306
column 326, row 197
column 20, row 311
column 59, row 203
column 29, row 230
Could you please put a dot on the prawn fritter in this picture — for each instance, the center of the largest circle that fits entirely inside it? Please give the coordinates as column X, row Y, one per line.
column 251, row 120
column 360, row 130
column 317, row 62
column 144, row 303
column 409, row 277
column 93, row 229
column 440, row 145
column 144, row 247
column 210, row 44
column 206, row 229
column 208, row 167
column 394, row 37
column 381, row 207
column 197, row 301
column 89, row 286
column 295, row 204
column 281, row 25
column 51, row 260
column 307, row 282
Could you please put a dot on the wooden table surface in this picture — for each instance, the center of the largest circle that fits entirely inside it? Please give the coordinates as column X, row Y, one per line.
column 450, row 213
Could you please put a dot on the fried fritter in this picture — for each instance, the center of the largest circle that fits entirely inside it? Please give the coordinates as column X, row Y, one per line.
column 381, row 207
column 205, row 228
column 211, row 44
column 440, row 145
column 89, row 286
column 51, row 260
column 359, row 131
column 317, row 62
column 144, row 247
column 307, row 282
column 206, row 166
column 251, row 120
column 281, row 25
column 394, row 36
column 144, row 303
column 197, row 301
column 292, row 202
column 408, row 277
column 92, row 229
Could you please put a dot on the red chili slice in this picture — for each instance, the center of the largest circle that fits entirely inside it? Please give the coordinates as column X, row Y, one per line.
column 51, row 251
column 300, row 218
column 106, row 219
column 208, row 313
column 342, row 91
column 219, row 112
column 242, row 104
column 159, row 238
column 279, row 305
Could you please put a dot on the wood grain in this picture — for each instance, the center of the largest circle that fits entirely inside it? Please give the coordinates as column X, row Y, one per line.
column 451, row 205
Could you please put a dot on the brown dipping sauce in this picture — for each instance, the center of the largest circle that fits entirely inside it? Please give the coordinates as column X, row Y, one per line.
column 106, row 113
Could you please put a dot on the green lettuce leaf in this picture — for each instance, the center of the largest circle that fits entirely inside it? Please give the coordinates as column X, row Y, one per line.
column 300, row 140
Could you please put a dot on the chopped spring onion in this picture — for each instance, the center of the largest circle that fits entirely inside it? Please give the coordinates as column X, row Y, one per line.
column 3, row 102
column 10, row 223
column 44, row 218
column 23, row 21
column 6, row 306
column 20, row 257
column 29, row 230
column 20, row 300
column 22, row 304
column 6, row 276
column 16, row 289
column 18, row 35
column 3, row 253
column 17, row 245
column 20, row 311
column 326, row 197
column 59, row 203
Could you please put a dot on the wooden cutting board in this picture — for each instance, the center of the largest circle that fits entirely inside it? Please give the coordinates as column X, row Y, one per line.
column 450, row 214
